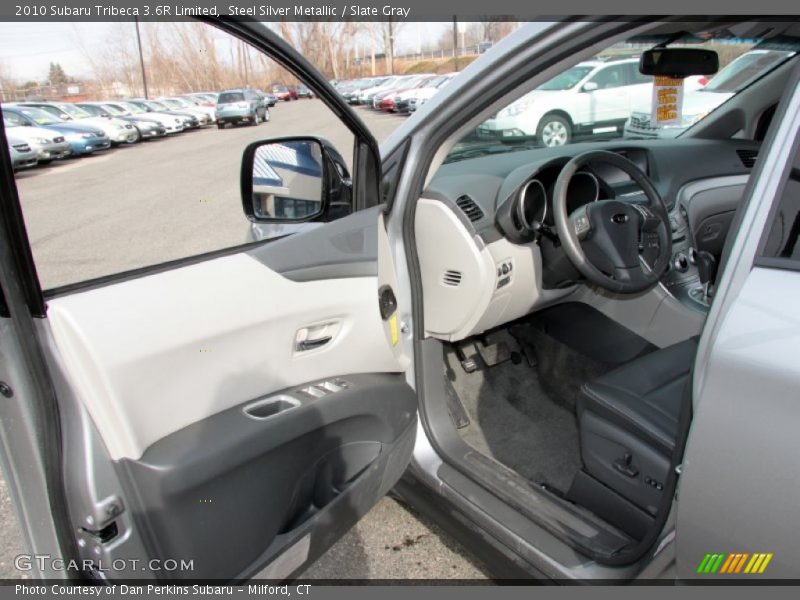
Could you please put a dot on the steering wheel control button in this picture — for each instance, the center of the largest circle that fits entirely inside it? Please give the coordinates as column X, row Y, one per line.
column 581, row 224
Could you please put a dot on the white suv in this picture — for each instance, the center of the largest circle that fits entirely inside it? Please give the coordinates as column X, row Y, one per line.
column 592, row 98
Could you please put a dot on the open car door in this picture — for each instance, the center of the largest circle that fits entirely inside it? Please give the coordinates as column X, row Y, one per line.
column 227, row 416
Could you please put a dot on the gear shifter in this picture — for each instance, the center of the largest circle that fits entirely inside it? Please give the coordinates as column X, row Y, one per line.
column 707, row 270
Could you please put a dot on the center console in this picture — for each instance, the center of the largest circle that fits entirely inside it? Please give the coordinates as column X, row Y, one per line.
column 682, row 279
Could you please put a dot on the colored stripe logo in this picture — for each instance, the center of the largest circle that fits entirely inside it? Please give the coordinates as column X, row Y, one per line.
column 735, row 563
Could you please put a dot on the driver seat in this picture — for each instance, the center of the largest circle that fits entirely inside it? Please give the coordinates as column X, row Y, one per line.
column 628, row 422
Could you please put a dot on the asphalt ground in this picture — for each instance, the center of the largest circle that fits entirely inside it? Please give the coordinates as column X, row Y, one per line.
column 166, row 199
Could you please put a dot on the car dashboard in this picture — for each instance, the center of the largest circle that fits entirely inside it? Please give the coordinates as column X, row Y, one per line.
column 489, row 253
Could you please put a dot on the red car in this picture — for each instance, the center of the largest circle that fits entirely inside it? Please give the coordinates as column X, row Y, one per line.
column 282, row 92
column 387, row 103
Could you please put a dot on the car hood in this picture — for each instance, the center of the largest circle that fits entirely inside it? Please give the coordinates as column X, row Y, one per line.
column 696, row 102
column 100, row 122
column 28, row 133
column 13, row 140
column 67, row 128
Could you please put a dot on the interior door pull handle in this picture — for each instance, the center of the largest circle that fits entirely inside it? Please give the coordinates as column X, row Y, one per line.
column 311, row 344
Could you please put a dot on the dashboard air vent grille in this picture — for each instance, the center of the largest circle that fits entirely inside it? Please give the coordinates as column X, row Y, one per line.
column 451, row 277
column 470, row 208
column 748, row 157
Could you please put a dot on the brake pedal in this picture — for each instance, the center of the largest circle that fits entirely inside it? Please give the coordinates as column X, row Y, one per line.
column 494, row 354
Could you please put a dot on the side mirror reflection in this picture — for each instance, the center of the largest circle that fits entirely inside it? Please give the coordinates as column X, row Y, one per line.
column 287, row 180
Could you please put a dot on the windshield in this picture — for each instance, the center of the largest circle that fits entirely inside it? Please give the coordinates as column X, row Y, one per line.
column 74, row 111
column 156, row 105
column 135, row 109
column 566, row 80
column 39, row 116
column 228, row 97
column 112, row 110
column 746, row 69
column 615, row 100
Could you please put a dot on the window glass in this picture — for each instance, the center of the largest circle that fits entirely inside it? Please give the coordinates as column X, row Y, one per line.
column 563, row 110
column 609, row 77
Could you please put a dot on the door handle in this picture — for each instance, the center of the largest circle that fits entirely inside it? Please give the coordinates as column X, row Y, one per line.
column 304, row 345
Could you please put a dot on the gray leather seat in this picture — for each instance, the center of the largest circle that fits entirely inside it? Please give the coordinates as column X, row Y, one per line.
column 629, row 422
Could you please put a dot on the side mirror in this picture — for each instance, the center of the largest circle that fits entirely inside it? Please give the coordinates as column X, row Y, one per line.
column 590, row 86
column 294, row 180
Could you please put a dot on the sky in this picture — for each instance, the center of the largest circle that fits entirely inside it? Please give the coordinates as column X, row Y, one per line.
column 26, row 49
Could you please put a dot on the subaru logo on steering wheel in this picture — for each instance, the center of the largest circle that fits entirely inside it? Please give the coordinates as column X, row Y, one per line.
column 620, row 218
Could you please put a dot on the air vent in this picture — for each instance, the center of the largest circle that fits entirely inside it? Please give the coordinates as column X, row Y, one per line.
column 451, row 277
column 470, row 208
column 748, row 157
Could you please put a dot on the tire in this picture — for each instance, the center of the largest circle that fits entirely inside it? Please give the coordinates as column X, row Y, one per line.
column 220, row 125
column 255, row 120
column 554, row 131
column 266, row 116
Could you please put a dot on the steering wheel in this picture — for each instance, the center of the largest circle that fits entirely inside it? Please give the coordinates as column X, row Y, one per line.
column 606, row 239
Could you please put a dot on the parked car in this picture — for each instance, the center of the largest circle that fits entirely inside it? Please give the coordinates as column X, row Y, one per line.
column 594, row 97
column 147, row 128
column 366, row 95
column 49, row 145
column 699, row 101
column 412, row 100
column 117, row 130
column 240, row 106
column 189, row 121
column 303, row 91
column 282, row 92
column 23, row 156
column 203, row 98
column 204, row 114
column 350, row 90
column 388, row 101
column 170, row 123
column 82, row 139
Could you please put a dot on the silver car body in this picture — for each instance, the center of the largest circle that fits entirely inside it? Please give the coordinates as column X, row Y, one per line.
column 23, row 156
column 49, row 145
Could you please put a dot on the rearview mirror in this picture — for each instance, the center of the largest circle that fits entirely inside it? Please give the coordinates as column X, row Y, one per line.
column 678, row 63
column 590, row 86
column 294, row 180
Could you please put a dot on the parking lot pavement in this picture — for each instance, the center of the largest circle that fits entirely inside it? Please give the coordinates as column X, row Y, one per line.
column 171, row 198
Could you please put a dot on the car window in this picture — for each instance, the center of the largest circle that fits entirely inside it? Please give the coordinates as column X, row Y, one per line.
column 634, row 77
column 553, row 114
column 122, row 202
column 609, row 77
column 566, row 80
column 74, row 111
column 11, row 119
column 39, row 116
column 228, row 97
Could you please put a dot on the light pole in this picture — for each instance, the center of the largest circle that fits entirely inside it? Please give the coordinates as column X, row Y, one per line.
column 141, row 57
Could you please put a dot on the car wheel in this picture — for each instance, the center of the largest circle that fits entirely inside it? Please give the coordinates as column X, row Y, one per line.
column 554, row 131
column 254, row 121
column 220, row 125
column 266, row 116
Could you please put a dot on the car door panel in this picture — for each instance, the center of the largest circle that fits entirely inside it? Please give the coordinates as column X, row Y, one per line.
column 230, row 492
column 244, row 410
column 205, row 337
